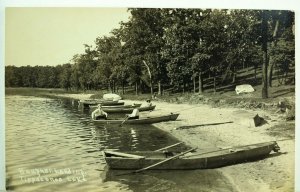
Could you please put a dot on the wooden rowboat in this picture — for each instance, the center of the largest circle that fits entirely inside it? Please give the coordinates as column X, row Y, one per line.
column 127, row 110
column 142, row 160
column 88, row 102
column 116, row 106
column 141, row 120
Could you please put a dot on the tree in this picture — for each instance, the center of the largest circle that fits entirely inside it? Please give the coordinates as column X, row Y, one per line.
column 65, row 76
column 142, row 36
column 108, row 53
column 215, row 27
column 239, row 41
column 182, row 37
column 281, row 41
column 12, row 77
column 84, row 65
column 283, row 55
column 264, row 35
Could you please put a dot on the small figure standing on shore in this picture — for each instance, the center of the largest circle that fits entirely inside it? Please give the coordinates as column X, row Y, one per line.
column 134, row 114
column 99, row 113
column 154, row 96
column 149, row 104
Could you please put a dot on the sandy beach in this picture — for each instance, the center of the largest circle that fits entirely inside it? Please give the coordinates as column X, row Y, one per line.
column 270, row 174
column 275, row 173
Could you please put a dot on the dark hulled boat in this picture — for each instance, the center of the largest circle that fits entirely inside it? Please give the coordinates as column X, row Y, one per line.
column 192, row 160
column 126, row 109
column 141, row 120
column 116, row 107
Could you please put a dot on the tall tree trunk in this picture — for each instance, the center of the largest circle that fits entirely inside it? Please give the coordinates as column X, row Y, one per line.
column 271, row 62
column 270, row 71
column 200, row 83
column 234, row 74
column 194, row 83
column 159, row 88
column 150, row 76
column 123, row 90
column 215, row 85
column 151, row 88
column 113, row 86
column 255, row 73
column 140, row 91
column 265, row 55
column 183, row 89
column 136, row 88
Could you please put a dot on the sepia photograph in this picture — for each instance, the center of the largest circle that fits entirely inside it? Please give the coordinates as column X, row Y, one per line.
column 133, row 99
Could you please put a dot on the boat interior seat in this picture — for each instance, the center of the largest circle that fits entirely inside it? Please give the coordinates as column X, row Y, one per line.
column 168, row 154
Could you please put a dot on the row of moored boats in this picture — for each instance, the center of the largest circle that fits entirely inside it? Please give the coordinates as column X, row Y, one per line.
column 166, row 158
column 120, row 107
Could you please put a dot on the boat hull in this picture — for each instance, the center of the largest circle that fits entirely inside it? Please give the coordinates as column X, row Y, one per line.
column 127, row 110
column 115, row 107
column 195, row 160
column 146, row 120
column 88, row 103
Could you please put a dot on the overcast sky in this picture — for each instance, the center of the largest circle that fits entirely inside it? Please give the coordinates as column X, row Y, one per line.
column 51, row 36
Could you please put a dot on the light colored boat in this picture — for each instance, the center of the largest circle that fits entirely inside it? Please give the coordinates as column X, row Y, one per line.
column 89, row 102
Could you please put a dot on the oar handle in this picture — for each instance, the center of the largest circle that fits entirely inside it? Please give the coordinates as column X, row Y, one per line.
column 169, row 146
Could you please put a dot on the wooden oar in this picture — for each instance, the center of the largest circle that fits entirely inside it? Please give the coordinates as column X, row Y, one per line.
column 156, row 164
column 201, row 125
column 169, row 146
column 166, row 160
column 120, row 154
column 126, row 118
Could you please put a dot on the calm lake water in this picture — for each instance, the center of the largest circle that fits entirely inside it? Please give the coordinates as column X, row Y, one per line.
column 52, row 145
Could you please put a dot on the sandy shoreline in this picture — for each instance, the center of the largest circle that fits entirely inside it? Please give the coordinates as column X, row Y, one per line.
column 271, row 174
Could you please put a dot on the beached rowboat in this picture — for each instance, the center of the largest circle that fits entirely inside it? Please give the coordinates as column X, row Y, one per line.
column 88, row 102
column 197, row 159
column 116, row 106
column 141, row 120
column 127, row 110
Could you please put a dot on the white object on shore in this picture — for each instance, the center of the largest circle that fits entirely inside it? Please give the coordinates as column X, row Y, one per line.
column 112, row 96
column 246, row 88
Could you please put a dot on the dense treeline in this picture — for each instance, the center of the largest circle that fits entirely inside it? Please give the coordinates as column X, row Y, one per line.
column 177, row 49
